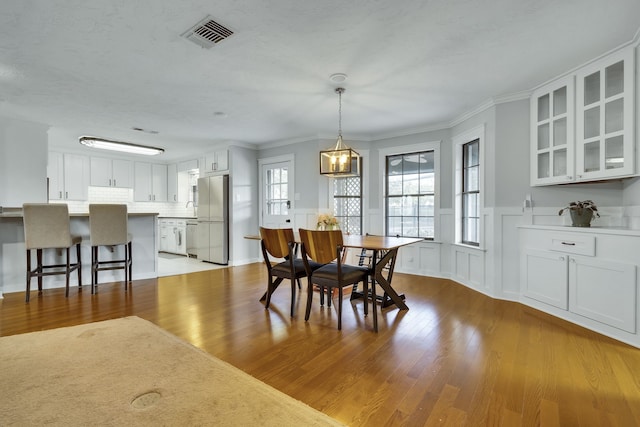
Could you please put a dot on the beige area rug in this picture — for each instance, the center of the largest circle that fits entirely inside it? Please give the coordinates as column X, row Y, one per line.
column 129, row 372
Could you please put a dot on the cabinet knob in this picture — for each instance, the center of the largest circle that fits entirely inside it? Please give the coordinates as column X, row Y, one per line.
column 561, row 258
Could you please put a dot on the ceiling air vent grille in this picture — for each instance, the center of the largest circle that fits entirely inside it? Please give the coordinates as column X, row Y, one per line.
column 207, row 33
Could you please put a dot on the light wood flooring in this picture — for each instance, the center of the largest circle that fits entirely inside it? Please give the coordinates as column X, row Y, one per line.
column 456, row 357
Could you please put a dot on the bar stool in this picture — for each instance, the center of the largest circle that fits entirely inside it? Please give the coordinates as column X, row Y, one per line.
column 108, row 225
column 47, row 226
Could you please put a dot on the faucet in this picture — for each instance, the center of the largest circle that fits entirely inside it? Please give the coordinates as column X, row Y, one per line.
column 192, row 204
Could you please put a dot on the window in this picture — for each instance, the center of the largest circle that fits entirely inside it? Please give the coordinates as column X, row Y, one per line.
column 468, row 150
column 347, row 203
column 276, row 191
column 410, row 195
column 470, row 191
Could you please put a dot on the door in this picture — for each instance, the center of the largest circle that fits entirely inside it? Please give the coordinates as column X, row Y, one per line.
column 276, row 188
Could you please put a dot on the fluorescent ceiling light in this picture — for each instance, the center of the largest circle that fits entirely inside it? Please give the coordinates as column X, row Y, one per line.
column 125, row 147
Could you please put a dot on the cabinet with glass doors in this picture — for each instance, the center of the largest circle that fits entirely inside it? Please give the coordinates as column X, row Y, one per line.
column 552, row 137
column 605, row 118
column 582, row 125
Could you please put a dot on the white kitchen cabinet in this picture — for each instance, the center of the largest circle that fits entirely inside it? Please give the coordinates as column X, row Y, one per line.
column 55, row 174
column 69, row 176
column 172, row 183
column 544, row 277
column 173, row 233
column 586, row 277
column 605, row 117
column 150, row 182
column 582, row 125
column 552, row 136
column 604, row 291
column 217, row 161
column 111, row 172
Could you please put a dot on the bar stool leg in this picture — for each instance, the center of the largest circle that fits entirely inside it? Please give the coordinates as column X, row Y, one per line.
column 39, row 268
column 78, row 260
column 66, row 292
column 28, row 295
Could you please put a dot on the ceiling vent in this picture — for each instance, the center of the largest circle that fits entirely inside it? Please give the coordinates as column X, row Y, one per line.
column 207, row 33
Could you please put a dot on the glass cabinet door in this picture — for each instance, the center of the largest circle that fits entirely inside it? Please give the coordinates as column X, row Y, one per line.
column 605, row 113
column 552, row 139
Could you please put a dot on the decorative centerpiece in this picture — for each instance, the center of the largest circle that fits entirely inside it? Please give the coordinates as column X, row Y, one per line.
column 327, row 222
column 581, row 213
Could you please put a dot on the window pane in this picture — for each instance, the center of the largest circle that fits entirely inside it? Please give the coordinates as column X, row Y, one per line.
column 411, row 184
column 394, row 226
column 410, row 206
column 426, row 227
column 410, row 226
column 394, row 206
column 426, row 207
column 394, row 184
column 394, row 165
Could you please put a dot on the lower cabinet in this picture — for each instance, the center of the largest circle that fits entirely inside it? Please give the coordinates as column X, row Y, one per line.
column 603, row 290
column 586, row 276
column 173, row 233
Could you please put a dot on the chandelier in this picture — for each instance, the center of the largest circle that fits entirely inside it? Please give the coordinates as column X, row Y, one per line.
column 340, row 161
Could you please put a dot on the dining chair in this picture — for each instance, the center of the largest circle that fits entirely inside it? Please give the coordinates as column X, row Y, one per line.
column 47, row 226
column 326, row 247
column 279, row 243
column 108, row 227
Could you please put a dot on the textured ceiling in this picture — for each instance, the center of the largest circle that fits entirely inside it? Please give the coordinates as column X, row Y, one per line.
column 102, row 67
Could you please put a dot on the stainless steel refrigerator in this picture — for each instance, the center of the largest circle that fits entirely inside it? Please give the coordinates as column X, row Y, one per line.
column 213, row 219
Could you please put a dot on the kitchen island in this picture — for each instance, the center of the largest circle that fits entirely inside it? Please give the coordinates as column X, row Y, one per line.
column 13, row 264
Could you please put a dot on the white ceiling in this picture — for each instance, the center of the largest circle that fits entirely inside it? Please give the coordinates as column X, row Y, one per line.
column 101, row 67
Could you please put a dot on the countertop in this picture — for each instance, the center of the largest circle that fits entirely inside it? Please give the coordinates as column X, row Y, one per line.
column 177, row 217
column 18, row 214
column 625, row 231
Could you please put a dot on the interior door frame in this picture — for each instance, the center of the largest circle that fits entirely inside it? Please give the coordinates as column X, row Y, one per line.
column 291, row 190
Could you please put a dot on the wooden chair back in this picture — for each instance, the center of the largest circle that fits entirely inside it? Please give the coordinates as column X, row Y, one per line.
column 276, row 241
column 320, row 245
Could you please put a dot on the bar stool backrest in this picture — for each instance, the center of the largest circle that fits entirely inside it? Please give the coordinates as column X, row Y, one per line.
column 46, row 225
column 108, row 224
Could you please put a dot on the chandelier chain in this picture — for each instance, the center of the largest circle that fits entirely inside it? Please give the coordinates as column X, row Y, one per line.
column 340, row 112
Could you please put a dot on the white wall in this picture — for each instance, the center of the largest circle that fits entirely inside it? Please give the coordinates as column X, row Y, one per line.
column 23, row 162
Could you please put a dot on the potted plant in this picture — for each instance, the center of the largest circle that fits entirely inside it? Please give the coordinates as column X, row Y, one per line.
column 581, row 212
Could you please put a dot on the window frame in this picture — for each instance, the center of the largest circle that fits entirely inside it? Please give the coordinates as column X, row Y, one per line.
column 465, row 168
column 408, row 149
column 459, row 141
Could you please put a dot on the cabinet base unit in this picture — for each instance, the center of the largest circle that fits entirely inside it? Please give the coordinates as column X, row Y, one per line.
column 585, row 276
column 604, row 291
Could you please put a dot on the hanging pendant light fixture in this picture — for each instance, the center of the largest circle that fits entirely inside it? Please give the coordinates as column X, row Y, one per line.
column 341, row 160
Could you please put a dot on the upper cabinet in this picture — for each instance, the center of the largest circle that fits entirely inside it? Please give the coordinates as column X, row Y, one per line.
column 111, row 172
column 150, row 182
column 582, row 125
column 216, row 161
column 605, row 113
column 552, row 137
column 69, row 176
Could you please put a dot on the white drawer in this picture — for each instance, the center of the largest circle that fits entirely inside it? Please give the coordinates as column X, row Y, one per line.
column 181, row 222
column 573, row 243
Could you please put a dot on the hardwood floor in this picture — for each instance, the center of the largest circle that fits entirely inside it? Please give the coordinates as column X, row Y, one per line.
column 456, row 357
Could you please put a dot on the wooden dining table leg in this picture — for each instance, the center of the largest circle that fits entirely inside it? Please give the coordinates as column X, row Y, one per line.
column 382, row 281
